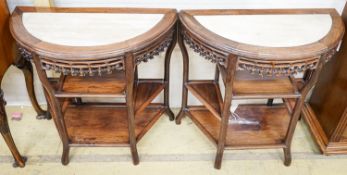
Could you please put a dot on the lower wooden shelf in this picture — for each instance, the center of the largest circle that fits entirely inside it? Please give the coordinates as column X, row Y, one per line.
column 270, row 133
column 106, row 125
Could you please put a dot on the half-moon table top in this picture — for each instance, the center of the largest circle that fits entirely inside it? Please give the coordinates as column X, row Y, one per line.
column 286, row 34
column 89, row 33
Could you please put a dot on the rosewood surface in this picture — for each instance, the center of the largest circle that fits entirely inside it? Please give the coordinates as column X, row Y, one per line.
column 101, row 71
column 251, row 72
column 325, row 112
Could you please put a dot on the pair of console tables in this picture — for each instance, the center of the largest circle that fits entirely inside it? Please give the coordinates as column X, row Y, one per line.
column 101, row 61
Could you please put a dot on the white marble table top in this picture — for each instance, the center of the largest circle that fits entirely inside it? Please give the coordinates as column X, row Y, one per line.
column 269, row 30
column 88, row 29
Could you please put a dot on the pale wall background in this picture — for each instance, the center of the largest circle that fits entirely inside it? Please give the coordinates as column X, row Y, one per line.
column 14, row 85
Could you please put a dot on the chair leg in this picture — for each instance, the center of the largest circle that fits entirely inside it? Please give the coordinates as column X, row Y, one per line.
column 27, row 70
column 6, row 134
column 287, row 156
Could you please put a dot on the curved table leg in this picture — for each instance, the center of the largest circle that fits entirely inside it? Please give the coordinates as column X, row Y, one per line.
column 27, row 70
column 6, row 134
column 167, row 77
column 184, row 52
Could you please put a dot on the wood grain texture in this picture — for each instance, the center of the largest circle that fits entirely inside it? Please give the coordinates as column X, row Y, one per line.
column 7, row 54
column 50, row 50
column 101, row 71
column 265, row 53
column 247, row 86
column 7, row 49
column 146, row 92
column 253, row 72
column 209, row 94
column 111, row 85
column 269, row 134
column 325, row 113
column 86, row 124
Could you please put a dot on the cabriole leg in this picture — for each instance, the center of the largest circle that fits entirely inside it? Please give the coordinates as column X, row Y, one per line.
column 27, row 70
column 6, row 134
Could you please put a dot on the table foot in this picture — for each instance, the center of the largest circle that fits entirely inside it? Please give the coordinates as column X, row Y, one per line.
column 17, row 164
column 44, row 116
column 287, row 157
column 170, row 114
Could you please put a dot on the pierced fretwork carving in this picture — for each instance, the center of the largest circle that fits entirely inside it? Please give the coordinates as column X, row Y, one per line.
column 263, row 68
column 149, row 54
column 83, row 68
column 75, row 68
column 99, row 67
column 276, row 68
column 282, row 68
column 204, row 51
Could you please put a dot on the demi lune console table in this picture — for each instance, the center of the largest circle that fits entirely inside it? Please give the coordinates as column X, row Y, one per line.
column 96, row 52
column 257, row 53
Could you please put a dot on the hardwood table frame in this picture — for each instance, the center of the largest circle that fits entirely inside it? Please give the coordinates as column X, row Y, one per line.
column 97, row 66
column 230, row 58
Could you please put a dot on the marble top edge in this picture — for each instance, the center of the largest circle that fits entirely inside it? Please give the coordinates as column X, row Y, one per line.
column 88, row 29
column 287, row 30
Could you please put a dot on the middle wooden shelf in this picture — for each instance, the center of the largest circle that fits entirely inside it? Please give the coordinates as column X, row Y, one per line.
column 106, row 124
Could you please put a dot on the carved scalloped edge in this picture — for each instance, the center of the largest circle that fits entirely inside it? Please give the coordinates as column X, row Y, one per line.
column 150, row 54
column 99, row 66
column 284, row 68
column 90, row 68
column 204, row 51
column 263, row 68
column 81, row 68
column 276, row 68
